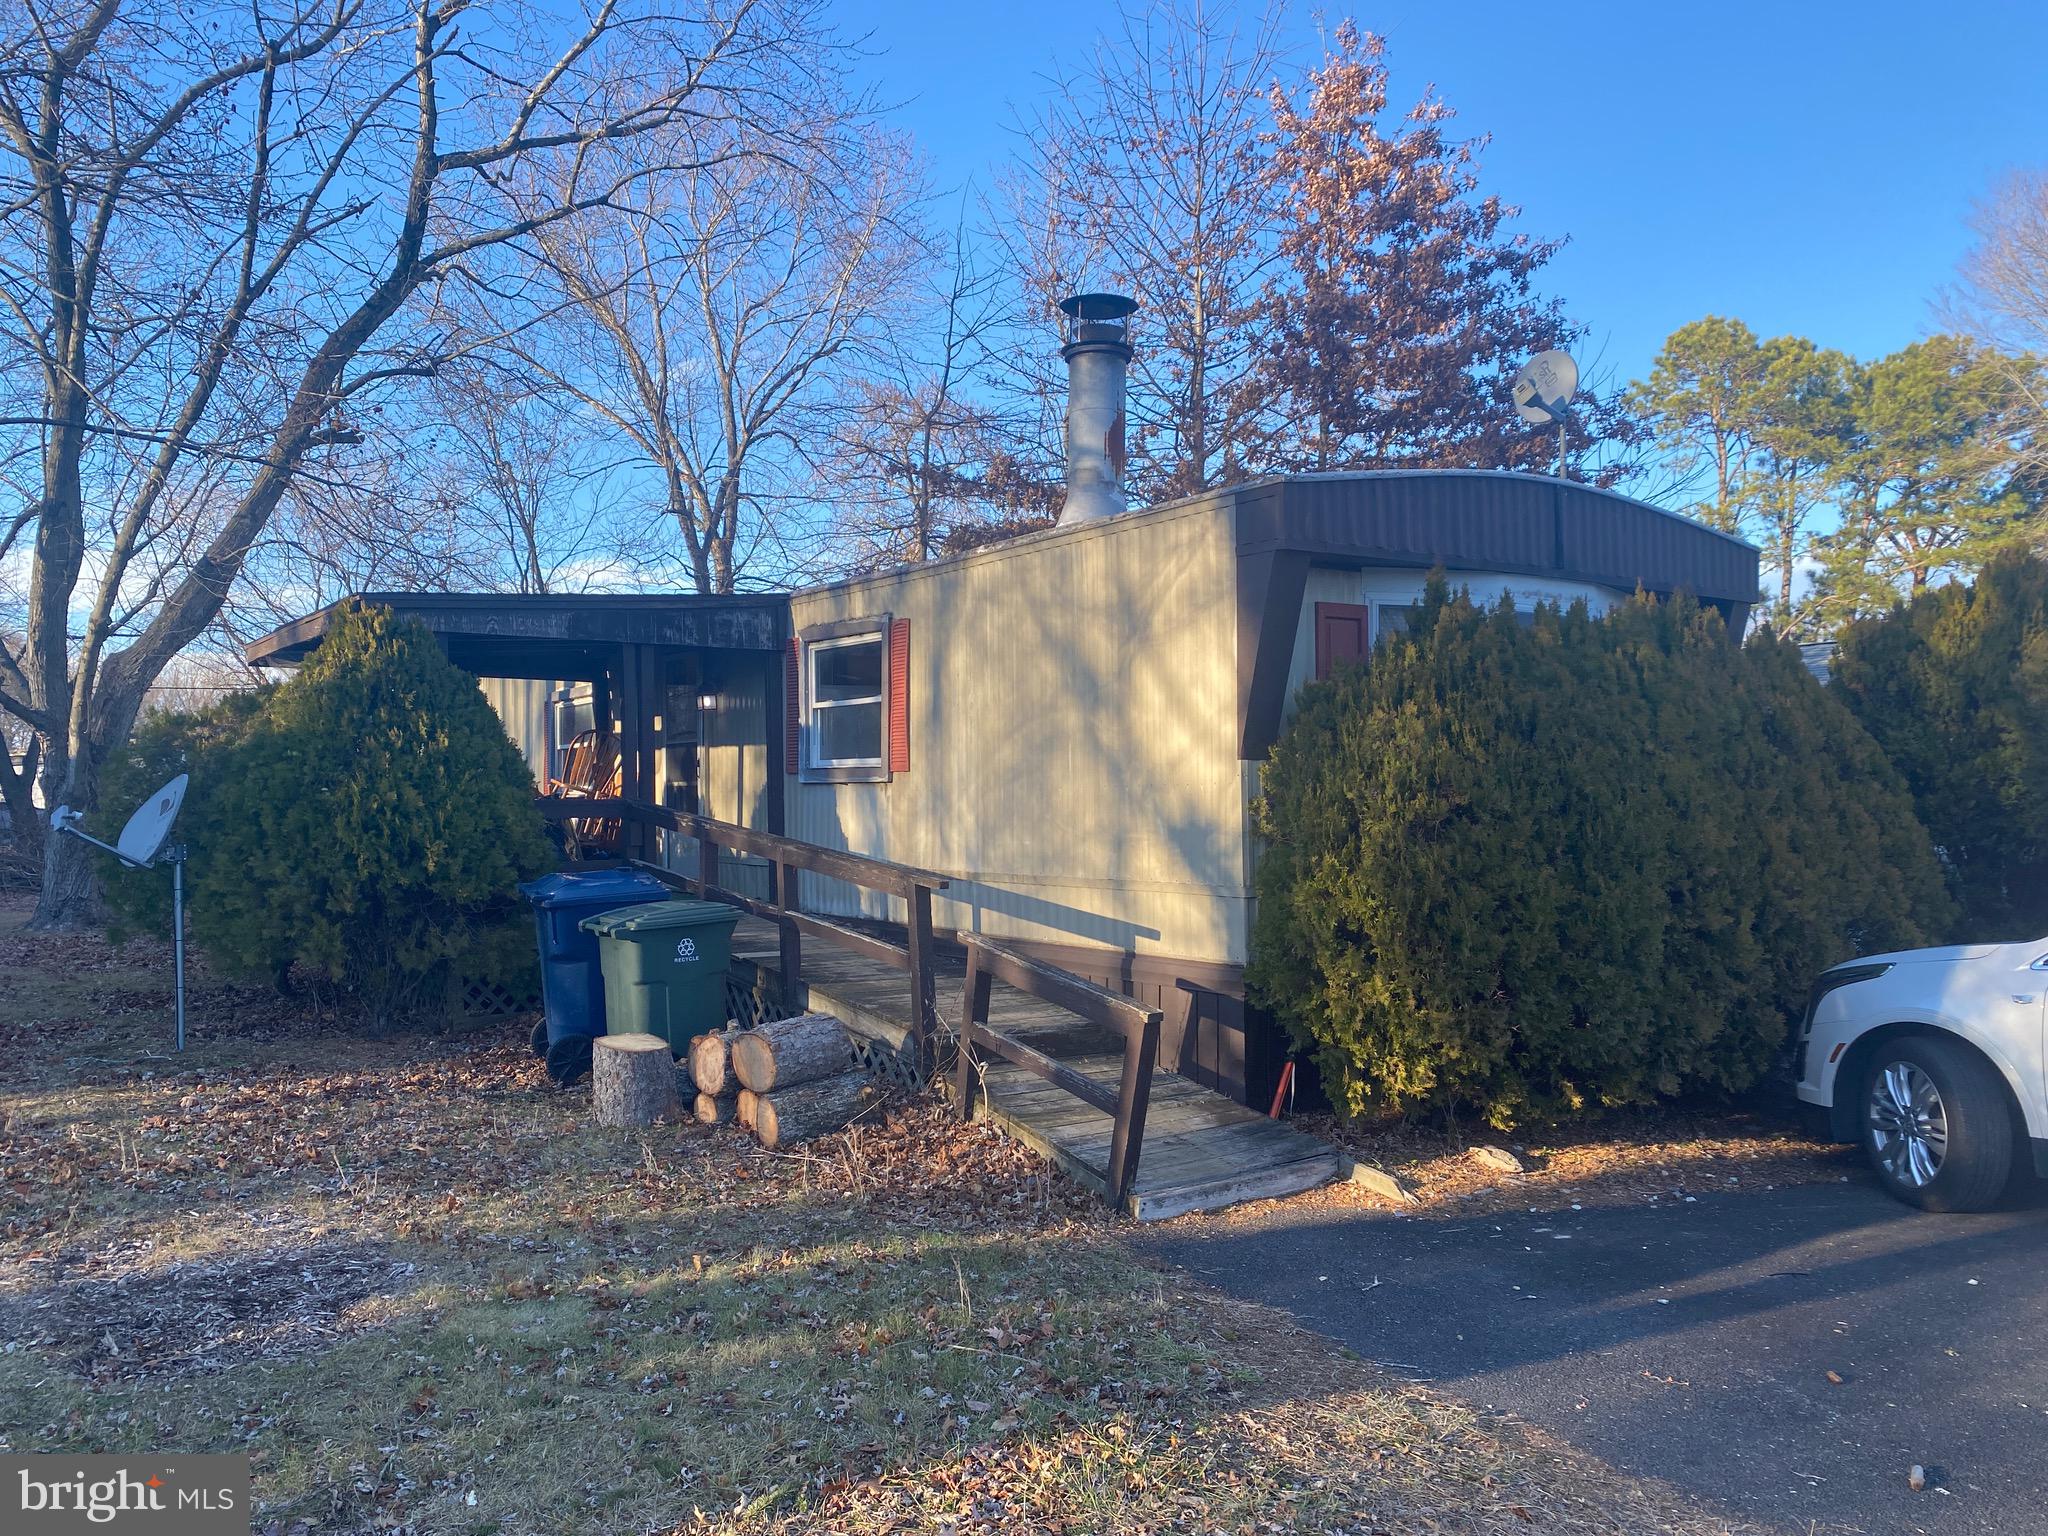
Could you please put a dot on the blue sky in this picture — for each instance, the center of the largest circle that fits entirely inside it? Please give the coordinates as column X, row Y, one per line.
column 1807, row 167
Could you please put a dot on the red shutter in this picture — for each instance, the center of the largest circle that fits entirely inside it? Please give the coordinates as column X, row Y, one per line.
column 899, row 696
column 793, row 707
column 1340, row 635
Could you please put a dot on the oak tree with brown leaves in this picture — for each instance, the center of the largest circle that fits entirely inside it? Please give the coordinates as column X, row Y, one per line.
column 1407, row 301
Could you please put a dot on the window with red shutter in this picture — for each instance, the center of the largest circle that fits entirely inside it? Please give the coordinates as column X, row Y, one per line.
column 899, row 696
column 850, row 700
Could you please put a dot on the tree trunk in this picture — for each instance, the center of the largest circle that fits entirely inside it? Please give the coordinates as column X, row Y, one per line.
column 818, row 1108
column 710, row 1063
column 70, row 896
column 791, row 1051
column 748, row 1109
column 18, row 793
column 719, row 1110
column 632, row 1080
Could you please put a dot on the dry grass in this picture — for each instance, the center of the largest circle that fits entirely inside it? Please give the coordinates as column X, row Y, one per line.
column 1624, row 1157
column 425, row 1295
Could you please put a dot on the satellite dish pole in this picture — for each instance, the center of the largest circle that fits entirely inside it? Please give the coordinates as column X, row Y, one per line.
column 1542, row 392
column 144, row 842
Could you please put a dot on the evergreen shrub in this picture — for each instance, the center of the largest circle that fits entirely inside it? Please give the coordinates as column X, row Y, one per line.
column 366, row 822
column 1954, row 687
column 1528, row 864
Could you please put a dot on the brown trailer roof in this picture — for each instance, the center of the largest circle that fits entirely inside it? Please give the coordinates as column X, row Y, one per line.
column 1477, row 520
column 1495, row 520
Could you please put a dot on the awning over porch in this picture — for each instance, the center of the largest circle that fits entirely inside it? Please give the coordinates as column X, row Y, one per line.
column 555, row 636
column 684, row 685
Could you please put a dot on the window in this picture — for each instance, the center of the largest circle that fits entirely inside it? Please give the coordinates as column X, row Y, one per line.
column 844, row 700
column 1392, row 619
column 571, row 712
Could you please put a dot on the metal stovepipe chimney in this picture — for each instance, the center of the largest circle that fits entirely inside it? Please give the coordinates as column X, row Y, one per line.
column 1098, row 350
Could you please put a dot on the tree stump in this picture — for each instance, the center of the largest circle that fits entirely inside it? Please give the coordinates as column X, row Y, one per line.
column 771, row 1057
column 710, row 1061
column 791, row 1115
column 632, row 1079
column 717, row 1110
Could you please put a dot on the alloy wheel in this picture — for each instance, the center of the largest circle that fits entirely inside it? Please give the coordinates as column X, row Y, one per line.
column 1908, row 1124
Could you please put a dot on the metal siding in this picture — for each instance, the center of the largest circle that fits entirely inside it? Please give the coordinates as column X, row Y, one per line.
column 1616, row 544
column 1416, row 520
column 1072, row 705
column 523, row 706
column 1497, row 521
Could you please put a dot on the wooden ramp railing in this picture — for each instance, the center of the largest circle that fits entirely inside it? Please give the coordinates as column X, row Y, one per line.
column 787, row 856
column 989, row 963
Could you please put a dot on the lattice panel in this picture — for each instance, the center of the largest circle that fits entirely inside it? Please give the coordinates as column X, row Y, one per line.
column 749, row 1005
column 890, row 1065
column 477, row 998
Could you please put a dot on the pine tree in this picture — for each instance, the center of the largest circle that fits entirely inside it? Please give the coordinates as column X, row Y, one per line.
column 1928, row 486
column 1700, row 402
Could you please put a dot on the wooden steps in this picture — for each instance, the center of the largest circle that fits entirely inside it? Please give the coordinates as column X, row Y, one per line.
column 1202, row 1151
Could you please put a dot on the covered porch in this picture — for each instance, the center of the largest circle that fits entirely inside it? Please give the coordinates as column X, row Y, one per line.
column 662, row 700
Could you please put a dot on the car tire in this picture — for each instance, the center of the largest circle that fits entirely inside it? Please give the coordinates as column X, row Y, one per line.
column 1936, row 1125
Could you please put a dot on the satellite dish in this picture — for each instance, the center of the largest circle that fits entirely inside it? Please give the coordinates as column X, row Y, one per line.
column 1544, row 387
column 150, row 827
column 145, row 836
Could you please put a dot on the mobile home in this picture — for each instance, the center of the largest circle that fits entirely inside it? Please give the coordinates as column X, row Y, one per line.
column 1068, row 725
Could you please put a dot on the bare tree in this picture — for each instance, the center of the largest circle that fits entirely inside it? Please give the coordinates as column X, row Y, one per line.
column 214, row 223
column 1148, row 172
column 709, row 318
column 920, row 453
column 2003, row 300
column 517, row 459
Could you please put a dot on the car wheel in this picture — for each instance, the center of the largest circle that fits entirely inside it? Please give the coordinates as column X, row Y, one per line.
column 1935, row 1124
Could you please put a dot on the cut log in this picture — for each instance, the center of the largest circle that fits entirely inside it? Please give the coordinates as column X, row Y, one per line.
column 749, row 1107
column 710, row 1062
column 771, row 1057
column 717, row 1110
column 790, row 1115
column 632, row 1079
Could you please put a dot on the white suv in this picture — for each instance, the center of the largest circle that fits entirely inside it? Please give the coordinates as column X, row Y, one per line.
column 1935, row 1060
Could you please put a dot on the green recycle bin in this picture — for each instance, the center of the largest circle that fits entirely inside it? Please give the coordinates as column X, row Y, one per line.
column 664, row 967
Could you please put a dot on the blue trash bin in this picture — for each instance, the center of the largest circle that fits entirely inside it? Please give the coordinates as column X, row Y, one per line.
column 571, row 980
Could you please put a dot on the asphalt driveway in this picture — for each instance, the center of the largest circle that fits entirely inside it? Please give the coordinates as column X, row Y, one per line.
column 1693, row 1341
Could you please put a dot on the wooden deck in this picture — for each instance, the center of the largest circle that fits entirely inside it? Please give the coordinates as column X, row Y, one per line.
column 1202, row 1151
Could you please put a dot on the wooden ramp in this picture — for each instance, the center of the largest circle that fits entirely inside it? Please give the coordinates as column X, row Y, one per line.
column 1201, row 1152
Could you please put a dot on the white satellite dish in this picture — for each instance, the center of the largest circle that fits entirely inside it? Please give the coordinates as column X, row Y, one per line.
column 1544, row 387
column 150, row 827
column 141, row 841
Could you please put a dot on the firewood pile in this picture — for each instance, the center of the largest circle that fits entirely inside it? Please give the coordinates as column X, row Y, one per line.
column 785, row 1081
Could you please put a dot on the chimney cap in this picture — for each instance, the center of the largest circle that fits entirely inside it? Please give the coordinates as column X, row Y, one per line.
column 1097, row 306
